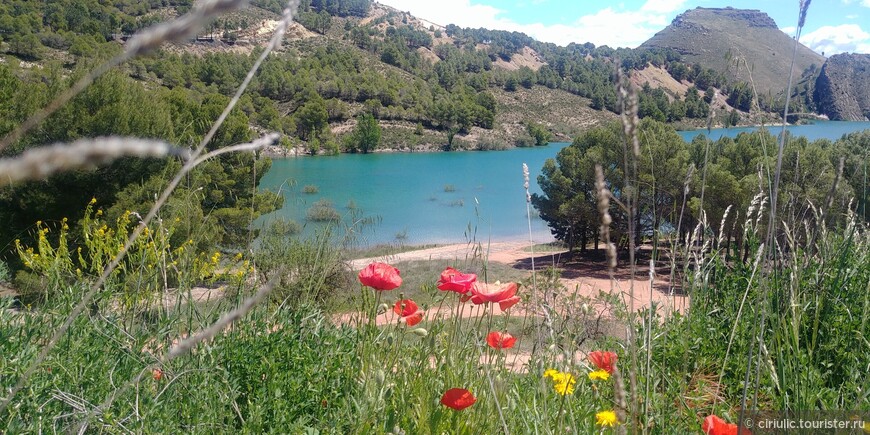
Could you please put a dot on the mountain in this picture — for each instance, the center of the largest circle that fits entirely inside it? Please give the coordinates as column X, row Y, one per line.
column 843, row 88
column 720, row 38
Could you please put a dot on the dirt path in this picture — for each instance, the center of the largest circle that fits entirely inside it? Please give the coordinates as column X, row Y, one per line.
column 585, row 277
column 502, row 252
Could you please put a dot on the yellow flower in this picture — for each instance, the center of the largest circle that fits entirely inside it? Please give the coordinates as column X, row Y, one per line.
column 100, row 212
column 867, row 427
column 93, row 200
column 563, row 383
column 606, row 418
column 599, row 374
column 566, row 386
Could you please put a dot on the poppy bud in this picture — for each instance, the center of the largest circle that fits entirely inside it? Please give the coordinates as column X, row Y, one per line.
column 421, row 332
column 382, row 308
column 380, row 376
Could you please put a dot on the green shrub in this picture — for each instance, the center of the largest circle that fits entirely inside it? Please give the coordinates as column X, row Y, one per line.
column 322, row 211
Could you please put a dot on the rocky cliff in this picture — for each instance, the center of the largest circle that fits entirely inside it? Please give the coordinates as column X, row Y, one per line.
column 843, row 88
column 722, row 38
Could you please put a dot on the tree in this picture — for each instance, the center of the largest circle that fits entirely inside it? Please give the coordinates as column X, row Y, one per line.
column 367, row 133
column 539, row 133
column 311, row 117
column 568, row 203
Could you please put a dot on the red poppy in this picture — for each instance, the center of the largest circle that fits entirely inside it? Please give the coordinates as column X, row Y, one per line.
column 413, row 319
column 713, row 425
column 603, row 360
column 456, row 281
column 157, row 374
column 458, row 399
column 500, row 340
column 505, row 295
column 380, row 276
column 405, row 307
column 409, row 311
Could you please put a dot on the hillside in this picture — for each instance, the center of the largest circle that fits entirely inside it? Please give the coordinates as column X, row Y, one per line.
column 842, row 90
column 718, row 38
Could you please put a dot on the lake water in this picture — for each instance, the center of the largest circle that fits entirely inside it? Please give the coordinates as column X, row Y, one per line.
column 439, row 197
column 832, row 130
column 449, row 197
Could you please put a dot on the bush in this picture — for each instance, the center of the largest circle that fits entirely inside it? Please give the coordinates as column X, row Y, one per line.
column 322, row 211
column 308, row 270
column 524, row 140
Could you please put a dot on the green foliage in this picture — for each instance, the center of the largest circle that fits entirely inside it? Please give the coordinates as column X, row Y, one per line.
column 311, row 118
column 4, row 272
column 322, row 211
column 740, row 97
column 568, row 202
column 539, row 133
column 366, row 136
column 308, row 271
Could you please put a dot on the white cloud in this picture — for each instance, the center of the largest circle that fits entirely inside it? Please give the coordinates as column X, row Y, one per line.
column 844, row 38
column 608, row 26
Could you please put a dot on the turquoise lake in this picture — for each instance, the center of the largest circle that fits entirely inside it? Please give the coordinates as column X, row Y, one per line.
column 440, row 197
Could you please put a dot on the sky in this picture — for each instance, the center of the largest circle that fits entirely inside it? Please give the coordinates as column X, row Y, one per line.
column 832, row 26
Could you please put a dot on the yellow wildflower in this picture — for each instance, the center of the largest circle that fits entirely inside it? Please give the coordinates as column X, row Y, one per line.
column 563, row 383
column 93, row 200
column 606, row 418
column 599, row 374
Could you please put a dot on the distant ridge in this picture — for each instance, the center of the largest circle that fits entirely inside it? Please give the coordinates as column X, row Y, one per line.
column 717, row 37
column 843, row 88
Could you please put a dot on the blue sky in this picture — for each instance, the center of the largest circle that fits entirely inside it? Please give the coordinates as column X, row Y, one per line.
column 833, row 26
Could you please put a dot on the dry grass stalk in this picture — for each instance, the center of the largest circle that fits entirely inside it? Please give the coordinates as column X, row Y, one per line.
column 39, row 163
column 628, row 104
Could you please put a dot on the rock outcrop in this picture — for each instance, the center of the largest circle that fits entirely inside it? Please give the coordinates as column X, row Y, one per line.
column 735, row 41
column 843, row 88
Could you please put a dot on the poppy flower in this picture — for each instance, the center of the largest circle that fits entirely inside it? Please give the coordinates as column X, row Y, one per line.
column 380, row 276
column 458, row 399
column 409, row 311
column 405, row 307
column 157, row 374
column 456, row 281
column 500, row 340
column 505, row 295
column 713, row 425
column 603, row 360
